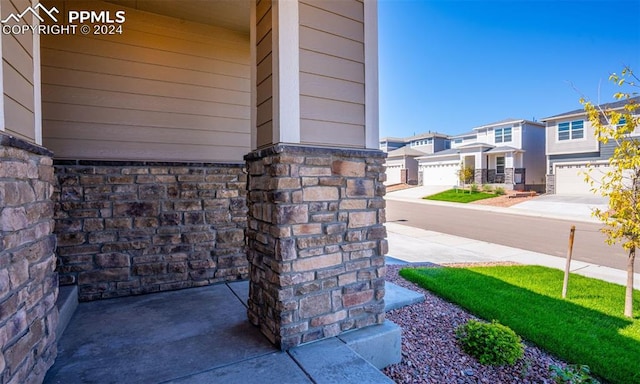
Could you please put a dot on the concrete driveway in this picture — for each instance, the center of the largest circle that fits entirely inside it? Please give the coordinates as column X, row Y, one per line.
column 563, row 206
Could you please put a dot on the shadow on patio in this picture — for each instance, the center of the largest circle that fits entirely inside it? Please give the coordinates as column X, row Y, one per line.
column 197, row 335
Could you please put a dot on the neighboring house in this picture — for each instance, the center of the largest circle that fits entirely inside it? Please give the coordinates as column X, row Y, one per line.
column 571, row 145
column 401, row 165
column 210, row 141
column 388, row 144
column 507, row 153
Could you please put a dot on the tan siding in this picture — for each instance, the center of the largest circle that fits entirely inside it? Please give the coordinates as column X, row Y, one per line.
column 314, row 108
column 93, row 116
column 335, row 24
column 17, row 66
column 264, row 71
column 18, row 120
column 188, row 86
column 329, row 133
column 18, row 88
column 66, row 95
column 331, row 66
column 163, row 90
column 332, row 90
column 107, row 132
column 92, row 149
column 351, row 9
column 320, row 41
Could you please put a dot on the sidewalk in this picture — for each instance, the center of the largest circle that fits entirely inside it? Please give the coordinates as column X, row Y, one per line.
column 414, row 245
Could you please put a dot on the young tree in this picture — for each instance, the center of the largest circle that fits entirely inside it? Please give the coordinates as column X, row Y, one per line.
column 465, row 175
column 621, row 184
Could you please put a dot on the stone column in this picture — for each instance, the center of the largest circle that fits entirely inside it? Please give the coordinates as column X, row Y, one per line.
column 480, row 176
column 551, row 184
column 28, row 283
column 316, row 241
column 509, row 176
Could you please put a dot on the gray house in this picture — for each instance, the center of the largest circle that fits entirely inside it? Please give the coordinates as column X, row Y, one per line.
column 508, row 153
column 571, row 146
column 401, row 165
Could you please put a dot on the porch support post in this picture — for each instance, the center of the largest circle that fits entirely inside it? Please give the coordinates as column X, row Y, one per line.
column 316, row 239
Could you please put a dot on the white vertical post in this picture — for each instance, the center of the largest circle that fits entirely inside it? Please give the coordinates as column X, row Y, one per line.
column 2, row 122
column 253, row 103
column 372, row 133
column 37, row 84
column 286, row 71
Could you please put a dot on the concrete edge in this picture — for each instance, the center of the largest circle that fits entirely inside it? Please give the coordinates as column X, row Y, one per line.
column 332, row 361
column 67, row 304
column 397, row 297
column 380, row 345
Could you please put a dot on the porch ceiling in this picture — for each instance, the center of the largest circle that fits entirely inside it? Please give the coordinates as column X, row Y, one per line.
column 230, row 14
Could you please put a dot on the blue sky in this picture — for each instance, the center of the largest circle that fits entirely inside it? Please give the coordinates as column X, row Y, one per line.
column 452, row 65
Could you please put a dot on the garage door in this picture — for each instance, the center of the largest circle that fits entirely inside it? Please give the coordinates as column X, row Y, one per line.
column 570, row 178
column 440, row 174
column 393, row 174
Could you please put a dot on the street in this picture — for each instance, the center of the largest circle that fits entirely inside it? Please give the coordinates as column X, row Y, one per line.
column 538, row 234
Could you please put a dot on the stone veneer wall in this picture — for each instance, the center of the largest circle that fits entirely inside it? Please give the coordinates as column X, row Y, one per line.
column 127, row 228
column 316, row 241
column 28, row 283
column 551, row 184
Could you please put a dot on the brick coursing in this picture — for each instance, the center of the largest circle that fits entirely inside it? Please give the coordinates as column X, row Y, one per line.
column 127, row 228
column 316, row 241
column 28, row 283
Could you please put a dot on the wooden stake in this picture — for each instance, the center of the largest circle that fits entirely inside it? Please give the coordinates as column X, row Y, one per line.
column 567, row 266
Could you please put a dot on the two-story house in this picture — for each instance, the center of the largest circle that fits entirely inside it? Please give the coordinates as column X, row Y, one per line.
column 401, row 164
column 508, row 153
column 571, row 146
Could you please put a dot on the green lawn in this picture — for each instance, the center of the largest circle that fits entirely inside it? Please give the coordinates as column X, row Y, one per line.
column 586, row 328
column 460, row 196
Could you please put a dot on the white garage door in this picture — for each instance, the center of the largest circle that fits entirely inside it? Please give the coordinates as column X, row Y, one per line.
column 570, row 178
column 393, row 174
column 440, row 174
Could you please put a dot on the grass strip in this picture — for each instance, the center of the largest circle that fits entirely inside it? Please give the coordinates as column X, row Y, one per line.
column 460, row 196
column 586, row 328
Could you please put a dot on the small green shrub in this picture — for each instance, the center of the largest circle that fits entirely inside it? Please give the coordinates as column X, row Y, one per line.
column 487, row 188
column 499, row 191
column 572, row 374
column 490, row 343
column 474, row 188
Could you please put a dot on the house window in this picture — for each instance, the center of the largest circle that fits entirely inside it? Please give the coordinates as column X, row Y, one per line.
column 622, row 121
column 503, row 135
column 571, row 130
column 457, row 141
column 500, row 165
column 430, row 141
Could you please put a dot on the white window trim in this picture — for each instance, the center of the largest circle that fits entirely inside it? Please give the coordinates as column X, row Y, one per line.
column 502, row 135
column 570, row 140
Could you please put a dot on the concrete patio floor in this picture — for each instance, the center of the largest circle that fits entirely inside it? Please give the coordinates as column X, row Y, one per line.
column 202, row 335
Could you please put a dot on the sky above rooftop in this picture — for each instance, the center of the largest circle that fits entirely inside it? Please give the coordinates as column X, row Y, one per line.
column 452, row 65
